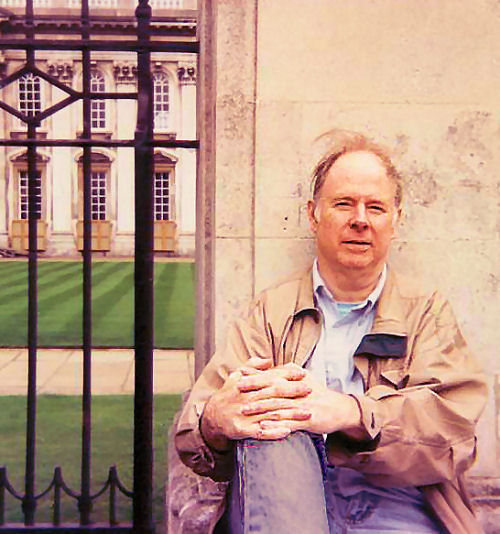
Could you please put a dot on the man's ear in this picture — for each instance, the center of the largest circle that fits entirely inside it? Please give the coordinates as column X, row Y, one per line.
column 311, row 213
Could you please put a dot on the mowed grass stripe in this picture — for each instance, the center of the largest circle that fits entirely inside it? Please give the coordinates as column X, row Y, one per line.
column 12, row 272
column 60, row 305
column 112, row 308
column 57, row 296
column 47, row 279
column 69, row 306
column 174, row 311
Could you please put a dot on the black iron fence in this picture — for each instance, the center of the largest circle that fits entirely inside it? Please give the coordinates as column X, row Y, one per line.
column 20, row 32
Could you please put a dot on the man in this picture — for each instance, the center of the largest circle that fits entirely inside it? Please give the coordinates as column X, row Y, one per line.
column 346, row 400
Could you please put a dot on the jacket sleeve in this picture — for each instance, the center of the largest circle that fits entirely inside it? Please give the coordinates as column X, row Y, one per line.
column 247, row 337
column 421, row 424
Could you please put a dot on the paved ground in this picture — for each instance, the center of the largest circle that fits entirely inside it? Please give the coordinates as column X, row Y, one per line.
column 59, row 371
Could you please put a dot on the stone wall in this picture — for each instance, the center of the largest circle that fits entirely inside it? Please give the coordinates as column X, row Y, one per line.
column 420, row 76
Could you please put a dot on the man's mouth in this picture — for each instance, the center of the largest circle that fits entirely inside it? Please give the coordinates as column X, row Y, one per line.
column 357, row 242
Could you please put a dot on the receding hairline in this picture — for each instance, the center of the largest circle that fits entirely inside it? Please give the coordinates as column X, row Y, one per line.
column 351, row 142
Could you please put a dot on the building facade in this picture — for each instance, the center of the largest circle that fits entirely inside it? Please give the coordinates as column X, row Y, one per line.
column 59, row 205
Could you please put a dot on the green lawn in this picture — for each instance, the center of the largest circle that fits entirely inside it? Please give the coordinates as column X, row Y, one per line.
column 60, row 304
column 59, row 443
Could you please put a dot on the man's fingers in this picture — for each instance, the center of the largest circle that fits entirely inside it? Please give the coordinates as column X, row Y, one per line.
column 269, row 427
column 254, row 365
column 271, row 377
column 274, row 433
column 294, row 371
column 279, row 408
column 280, row 389
column 259, row 363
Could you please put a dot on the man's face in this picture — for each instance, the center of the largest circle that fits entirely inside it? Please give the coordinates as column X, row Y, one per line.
column 355, row 216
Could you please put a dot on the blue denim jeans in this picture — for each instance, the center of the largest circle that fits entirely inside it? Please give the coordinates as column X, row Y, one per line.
column 280, row 487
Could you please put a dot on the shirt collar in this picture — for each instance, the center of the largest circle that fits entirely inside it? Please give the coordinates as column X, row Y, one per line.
column 321, row 290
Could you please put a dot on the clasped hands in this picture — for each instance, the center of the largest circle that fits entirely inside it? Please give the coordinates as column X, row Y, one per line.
column 264, row 402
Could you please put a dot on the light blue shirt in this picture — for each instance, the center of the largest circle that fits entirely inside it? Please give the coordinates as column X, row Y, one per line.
column 344, row 325
column 332, row 363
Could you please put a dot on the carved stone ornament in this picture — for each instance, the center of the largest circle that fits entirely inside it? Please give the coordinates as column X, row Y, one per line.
column 62, row 70
column 187, row 74
column 125, row 71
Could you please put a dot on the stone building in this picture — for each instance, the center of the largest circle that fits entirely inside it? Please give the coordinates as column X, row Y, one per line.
column 60, row 196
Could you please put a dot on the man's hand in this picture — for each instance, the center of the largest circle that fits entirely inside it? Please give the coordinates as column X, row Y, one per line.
column 223, row 418
column 281, row 406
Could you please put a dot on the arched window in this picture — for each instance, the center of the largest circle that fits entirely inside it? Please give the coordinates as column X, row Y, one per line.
column 98, row 107
column 161, row 102
column 30, row 94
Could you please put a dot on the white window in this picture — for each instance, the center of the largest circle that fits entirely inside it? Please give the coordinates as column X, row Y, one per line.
column 98, row 195
column 23, row 195
column 97, row 107
column 162, row 196
column 30, row 94
column 161, row 103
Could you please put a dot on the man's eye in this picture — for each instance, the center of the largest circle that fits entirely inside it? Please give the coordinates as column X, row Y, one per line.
column 342, row 204
column 376, row 209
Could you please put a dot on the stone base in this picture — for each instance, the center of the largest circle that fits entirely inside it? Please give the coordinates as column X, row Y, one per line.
column 485, row 492
column 192, row 501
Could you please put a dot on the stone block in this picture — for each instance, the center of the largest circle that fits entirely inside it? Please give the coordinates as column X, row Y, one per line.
column 234, row 189
column 425, row 51
column 234, row 265
column 466, row 274
column 275, row 259
column 236, row 34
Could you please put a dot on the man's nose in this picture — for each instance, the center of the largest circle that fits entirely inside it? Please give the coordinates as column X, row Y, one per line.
column 359, row 219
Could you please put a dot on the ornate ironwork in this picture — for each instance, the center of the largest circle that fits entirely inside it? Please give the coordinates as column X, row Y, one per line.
column 58, row 486
column 59, row 75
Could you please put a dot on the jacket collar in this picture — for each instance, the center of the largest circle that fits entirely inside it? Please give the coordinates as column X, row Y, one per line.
column 389, row 315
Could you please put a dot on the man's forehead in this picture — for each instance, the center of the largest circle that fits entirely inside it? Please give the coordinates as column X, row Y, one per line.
column 358, row 172
column 359, row 162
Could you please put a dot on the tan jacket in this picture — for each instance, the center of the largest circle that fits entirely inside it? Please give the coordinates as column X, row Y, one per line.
column 423, row 391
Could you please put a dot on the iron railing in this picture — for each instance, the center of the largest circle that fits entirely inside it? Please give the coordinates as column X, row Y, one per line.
column 143, row 144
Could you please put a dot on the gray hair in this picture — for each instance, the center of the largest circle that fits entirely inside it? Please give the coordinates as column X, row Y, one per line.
column 343, row 142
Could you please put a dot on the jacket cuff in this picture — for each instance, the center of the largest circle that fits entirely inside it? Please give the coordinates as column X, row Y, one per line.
column 340, row 447
column 198, row 455
column 371, row 418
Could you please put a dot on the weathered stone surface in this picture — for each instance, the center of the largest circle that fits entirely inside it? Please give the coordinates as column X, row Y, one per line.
column 381, row 50
column 192, row 501
column 485, row 493
column 428, row 90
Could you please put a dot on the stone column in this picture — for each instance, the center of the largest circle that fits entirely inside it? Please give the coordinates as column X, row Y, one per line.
column 61, row 166
column 126, row 111
column 185, row 183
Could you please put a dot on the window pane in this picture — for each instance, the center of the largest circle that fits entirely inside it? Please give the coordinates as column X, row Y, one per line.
column 23, row 195
column 161, row 101
column 98, row 107
column 29, row 94
column 162, row 196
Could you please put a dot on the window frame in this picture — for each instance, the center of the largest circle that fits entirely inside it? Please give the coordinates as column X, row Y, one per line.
column 164, row 114
column 39, row 92
column 98, row 107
